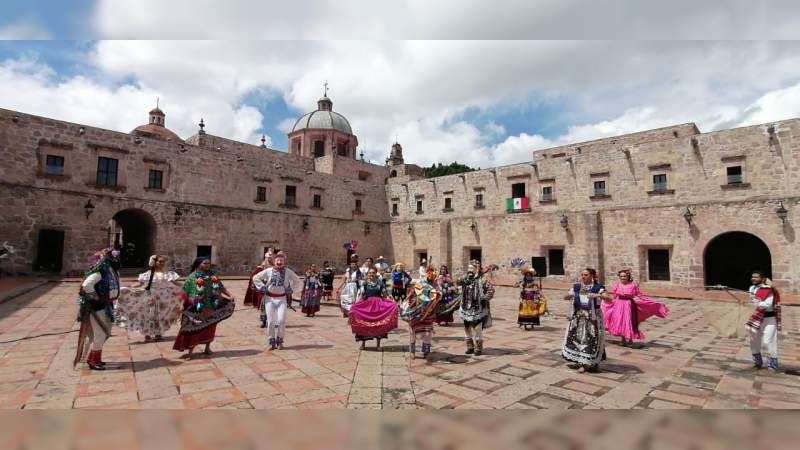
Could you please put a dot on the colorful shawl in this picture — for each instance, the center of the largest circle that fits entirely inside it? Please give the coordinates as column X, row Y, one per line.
column 762, row 293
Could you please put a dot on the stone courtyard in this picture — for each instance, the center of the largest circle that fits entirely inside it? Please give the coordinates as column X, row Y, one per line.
column 684, row 364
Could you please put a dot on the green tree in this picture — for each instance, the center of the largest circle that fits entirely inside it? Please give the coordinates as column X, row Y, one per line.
column 439, row 170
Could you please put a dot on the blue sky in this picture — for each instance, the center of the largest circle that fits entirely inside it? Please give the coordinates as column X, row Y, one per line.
column 480, row 102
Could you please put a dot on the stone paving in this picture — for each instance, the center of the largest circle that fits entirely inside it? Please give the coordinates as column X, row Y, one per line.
column 684, row 364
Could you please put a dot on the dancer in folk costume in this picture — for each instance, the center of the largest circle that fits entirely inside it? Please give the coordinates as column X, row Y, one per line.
column 401, row 281
column 628, row 308
column 373, row 315
column 476, row 295
column 312, row 292
column 97, row 294
column 423, row 269
column 348, row 290
column 449, row 301
column 206, row 302
column 419, row 310
column 326, row 277
column 765, row 323
column 277, row 282
column 383, row 269
column 584, row 340
column 153, row 305
column 257, row 296
column 252, row 296
column 532, row 303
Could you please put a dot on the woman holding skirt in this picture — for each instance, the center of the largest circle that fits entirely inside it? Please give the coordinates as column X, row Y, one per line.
column 206, row 302
column 629, row 308
column 373, row 315
column 584, row 341
column 312, row 292
column 348, row 290
column 532, row 304
column 449, row 301
column 419, row 310
column 153, row 305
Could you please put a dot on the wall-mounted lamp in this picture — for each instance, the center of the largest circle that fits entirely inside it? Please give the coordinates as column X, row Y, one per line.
column 410, row 229
column 367, row 228
column 696, row 145
column 627, row 153
column 782, row 213
column 564, row 221
column 81, row 130
column 178, row 214
column 688, row 215
column 305, row 223
column 473, row 226
column 88, row 208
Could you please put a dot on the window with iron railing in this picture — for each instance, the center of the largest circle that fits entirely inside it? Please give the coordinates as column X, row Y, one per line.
column 734, row 174
column 54, row 165
column 599, row 188
column 547, row 193
column 660, row 182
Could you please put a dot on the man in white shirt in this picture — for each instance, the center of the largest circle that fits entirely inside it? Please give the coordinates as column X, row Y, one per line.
column 276, row 282
column 765, row 322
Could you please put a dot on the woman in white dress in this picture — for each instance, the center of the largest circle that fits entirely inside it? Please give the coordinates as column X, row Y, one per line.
column 348, row 290
column 151, row 306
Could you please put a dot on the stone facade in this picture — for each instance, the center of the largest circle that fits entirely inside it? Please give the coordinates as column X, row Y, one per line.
column 618, row 227
column 673, row 204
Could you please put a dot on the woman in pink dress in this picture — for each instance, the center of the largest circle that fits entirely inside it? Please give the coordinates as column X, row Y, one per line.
column 629, row 308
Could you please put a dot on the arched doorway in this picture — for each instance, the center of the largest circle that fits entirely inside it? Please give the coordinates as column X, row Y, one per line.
column 133, row 232
column 730, row 258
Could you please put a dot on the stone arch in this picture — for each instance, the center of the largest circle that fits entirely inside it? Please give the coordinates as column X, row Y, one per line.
column 730, row 257
column 134, row 233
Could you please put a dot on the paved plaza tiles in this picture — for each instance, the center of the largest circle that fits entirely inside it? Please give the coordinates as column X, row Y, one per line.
column 685, row 364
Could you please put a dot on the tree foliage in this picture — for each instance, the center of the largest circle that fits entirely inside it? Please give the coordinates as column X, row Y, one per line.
column 439, row 170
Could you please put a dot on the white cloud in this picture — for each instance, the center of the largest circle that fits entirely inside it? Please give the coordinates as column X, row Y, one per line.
column 446, row 19
column 421, row 91
column 286, row 125
column 23, row 29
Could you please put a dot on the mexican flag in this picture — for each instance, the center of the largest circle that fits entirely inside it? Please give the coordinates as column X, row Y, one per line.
column 517, row 203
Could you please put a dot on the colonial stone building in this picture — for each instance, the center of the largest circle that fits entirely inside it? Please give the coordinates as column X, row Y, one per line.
column 679, row 207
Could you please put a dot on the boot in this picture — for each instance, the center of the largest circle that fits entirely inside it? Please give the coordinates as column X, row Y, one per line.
column 772, row 364
column 426, row 348
column 279, row 343
column 470, row 347
column 99, row 358
column 263, row 321
column 271, row 344
column 757, row 361
column 478, row 347
column 93, row 360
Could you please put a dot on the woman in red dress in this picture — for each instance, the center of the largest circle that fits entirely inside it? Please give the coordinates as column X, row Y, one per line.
column 206, row 302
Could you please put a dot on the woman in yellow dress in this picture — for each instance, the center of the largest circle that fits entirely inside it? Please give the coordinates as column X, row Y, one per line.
column 532, row 303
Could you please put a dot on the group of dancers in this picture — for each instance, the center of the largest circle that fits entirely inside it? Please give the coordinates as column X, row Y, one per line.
column 373, row 299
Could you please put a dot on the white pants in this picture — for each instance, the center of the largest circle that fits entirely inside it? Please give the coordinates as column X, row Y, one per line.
column 766, row 336
column 426, row 336
column 276, row 316
column 474, row 332
column 98, row 329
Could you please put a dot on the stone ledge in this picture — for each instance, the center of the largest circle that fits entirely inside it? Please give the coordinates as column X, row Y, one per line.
column 287, row 206
column 547, row 202
column 117, row 188
column 514, row 211
column 480, row 207
column 661, row 192
column 446, row 210
column 53, row 177
column 600, row 197
column 735, row 186
column 158, row 190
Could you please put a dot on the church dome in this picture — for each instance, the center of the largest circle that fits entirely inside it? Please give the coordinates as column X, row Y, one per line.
column 323, row 118
column 155, row 128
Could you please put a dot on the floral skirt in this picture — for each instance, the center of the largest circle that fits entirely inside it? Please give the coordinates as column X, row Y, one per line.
column 530, row 311
column 311, row 300
column 150, row 313
column 585, row 339
column 373, row 317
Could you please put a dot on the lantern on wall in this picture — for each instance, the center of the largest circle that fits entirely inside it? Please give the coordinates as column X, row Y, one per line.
column 88, row 208
column 688, row 216
column 782, row 213
column 564, row 221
